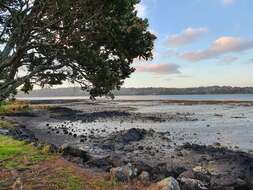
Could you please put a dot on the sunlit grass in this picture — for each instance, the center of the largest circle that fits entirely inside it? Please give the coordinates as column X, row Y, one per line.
column 19, row 106
column 18, row 154
column 5, row 124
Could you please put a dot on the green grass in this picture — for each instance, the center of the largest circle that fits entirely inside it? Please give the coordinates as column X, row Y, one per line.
column 18, row 154
column 5, row 124
column 66, row 180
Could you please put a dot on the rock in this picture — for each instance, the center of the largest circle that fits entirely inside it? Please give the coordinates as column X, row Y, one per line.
column 217, row 144
column 187, row 174
column 125, row 173
column 169, row 183
column 102, row 162
column 76, row 151
column 230, row 182
column 241, row 184
column 198, row 173
column 143, row 166
column 144, row 177
column 133, row 135
column 192, row 184
column 202, row 174
column 4, row 131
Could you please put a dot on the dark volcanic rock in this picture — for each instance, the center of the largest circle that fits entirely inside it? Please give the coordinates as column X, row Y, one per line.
column 75, row 151
column 133, row 135
column 192, row 184
column 21, row 133
column 119, row 139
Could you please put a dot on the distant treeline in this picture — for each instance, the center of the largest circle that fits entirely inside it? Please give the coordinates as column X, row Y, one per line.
column 144, row 91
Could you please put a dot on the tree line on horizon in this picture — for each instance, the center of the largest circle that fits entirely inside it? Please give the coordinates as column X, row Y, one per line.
column 75, row 91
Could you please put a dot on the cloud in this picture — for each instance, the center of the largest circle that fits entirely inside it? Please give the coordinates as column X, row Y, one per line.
column 187, row 36
column 228, row 59
column 228, row 2
column 141, row 10
column 165, row 68
column 250, row 61
column 172, row 53
column 221, row 46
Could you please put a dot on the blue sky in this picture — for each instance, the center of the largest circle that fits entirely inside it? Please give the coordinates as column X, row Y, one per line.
column 199, row 43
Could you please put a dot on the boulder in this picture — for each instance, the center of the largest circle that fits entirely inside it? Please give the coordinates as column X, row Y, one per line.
column 169, row 183
column 133, row 135
column 75, row 151
column 202, row 174
column 125, row 173
column 102, row 162
column 192, row 184
column 144, row 177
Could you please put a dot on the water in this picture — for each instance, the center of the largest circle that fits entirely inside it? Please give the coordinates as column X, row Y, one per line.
column 237, row 97
column 229, row 124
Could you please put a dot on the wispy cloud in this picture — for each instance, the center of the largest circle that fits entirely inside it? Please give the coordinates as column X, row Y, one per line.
column 221, row 46
column 228, row 2
column 250, row 61
column 228, row 59
column 164, row 68
column 187, row 36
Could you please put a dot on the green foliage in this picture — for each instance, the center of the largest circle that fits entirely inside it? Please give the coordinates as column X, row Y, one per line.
column 5, row 124
column 18, row 154
column 90, row 42
column 66, row 180
column 69, row 181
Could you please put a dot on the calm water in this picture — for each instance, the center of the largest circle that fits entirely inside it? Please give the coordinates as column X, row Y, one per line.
column 241, row 97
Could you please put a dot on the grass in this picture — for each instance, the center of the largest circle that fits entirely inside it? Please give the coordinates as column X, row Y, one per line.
column 39, row 167
column 7, row 107
column 13, row 106
column 5, row 124
column 70, row 181
column 17, row 154
column 66, row 180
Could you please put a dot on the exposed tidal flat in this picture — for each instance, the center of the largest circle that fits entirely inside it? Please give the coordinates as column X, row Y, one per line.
column 213, row 139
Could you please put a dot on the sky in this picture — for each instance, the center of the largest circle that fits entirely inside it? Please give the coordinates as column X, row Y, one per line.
column 199, row 43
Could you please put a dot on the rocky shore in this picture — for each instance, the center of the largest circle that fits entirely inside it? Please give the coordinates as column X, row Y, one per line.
column 153, row 157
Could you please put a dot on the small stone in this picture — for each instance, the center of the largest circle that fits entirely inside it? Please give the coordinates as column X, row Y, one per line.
column 144, row 176
column 125, row 173
column 188, row 183
column 217, row 144
column 169, row 183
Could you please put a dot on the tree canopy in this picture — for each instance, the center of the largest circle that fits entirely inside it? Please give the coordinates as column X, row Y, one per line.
column 89, row 42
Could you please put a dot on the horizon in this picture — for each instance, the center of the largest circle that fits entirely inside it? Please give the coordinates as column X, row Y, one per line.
column 220, row 86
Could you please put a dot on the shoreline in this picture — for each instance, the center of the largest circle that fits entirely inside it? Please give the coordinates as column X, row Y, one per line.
column 186, row 102
column 157, row 153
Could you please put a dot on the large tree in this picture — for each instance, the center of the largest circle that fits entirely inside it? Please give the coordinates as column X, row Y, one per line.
column 90, row 42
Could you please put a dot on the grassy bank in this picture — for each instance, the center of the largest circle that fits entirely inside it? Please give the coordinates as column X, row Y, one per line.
column 8, row 107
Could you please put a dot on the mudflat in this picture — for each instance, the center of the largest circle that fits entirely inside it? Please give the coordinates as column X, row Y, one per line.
column 210, row 141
